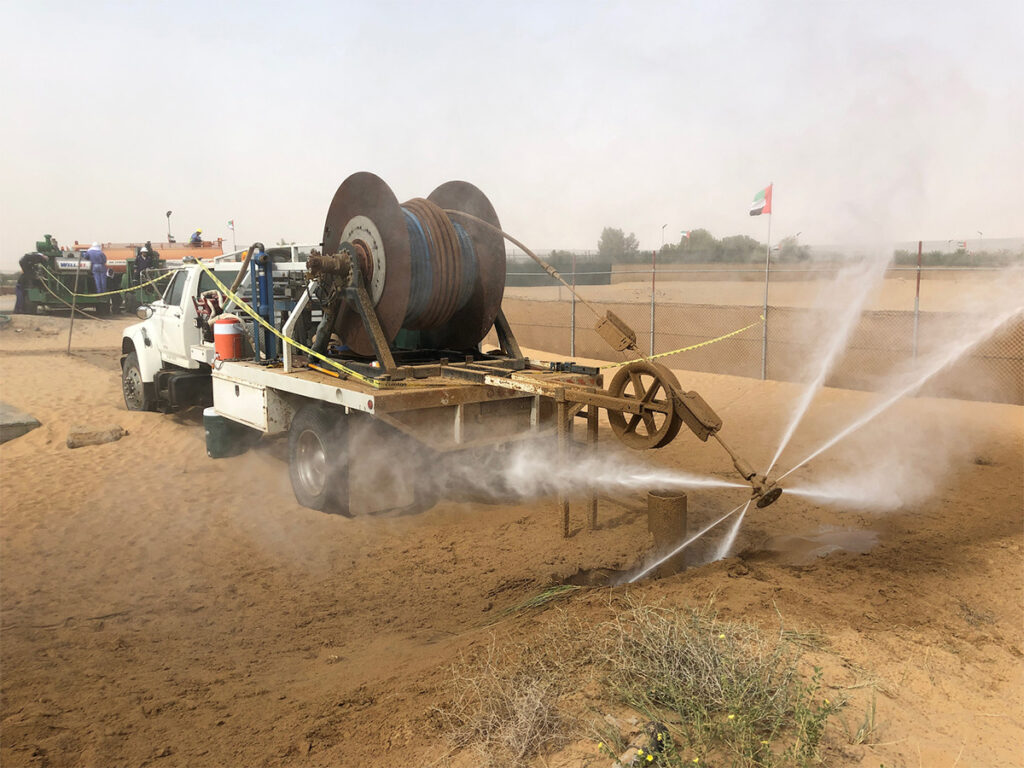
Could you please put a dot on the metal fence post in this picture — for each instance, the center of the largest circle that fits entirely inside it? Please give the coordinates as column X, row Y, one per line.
column 572, row 314
column 764, row 327
column 654, row 258
column 917, row 295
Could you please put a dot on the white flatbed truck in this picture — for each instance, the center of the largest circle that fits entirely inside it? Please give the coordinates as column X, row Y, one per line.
column 167, row 364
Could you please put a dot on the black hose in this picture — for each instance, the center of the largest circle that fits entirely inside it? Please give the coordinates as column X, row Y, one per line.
column 245, row 265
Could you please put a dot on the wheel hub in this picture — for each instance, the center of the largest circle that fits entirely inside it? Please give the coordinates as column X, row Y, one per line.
column 311, row 462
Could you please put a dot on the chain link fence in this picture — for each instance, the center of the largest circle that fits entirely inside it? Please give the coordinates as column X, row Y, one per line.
column 915, row 312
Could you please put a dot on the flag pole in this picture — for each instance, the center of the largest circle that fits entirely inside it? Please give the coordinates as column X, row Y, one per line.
column 764, row 327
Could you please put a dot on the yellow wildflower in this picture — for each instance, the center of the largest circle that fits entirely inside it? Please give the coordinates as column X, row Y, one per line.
column 650, row 758
column 732, row 717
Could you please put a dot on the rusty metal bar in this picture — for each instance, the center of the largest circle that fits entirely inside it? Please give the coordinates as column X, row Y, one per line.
column 592, row 414
column 373, row 327
column 564, row 426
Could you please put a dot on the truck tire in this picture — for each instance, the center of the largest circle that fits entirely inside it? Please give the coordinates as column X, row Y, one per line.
column 137, row 396
column 318, row 458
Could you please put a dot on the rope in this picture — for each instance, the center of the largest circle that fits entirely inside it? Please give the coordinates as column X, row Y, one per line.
column 692, row 346
column 105, row 293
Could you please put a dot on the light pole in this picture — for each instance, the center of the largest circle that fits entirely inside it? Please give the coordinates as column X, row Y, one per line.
column 169, row 238
column 663, row 235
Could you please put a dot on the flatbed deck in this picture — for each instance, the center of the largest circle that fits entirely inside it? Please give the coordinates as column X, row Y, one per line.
column 442, row 412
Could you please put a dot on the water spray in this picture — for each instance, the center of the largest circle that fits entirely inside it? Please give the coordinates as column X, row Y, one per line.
column 730, row 538
column 937, row 364
column 685, row 544
column 843, row 329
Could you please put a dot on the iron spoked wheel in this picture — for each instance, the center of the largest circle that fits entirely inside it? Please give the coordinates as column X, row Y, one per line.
column 136, row 396
column 318, row 459
column 652, row 385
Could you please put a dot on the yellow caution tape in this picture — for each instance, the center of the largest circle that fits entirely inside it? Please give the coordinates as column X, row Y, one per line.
column 69, row 305
column 692, row 346
column 256, row 317
column 164, row 276
column 384, row 384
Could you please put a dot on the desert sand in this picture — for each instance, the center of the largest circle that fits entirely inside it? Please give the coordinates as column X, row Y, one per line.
column 158, row 607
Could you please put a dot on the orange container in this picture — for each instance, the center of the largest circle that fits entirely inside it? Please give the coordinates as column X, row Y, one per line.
column 227, row 337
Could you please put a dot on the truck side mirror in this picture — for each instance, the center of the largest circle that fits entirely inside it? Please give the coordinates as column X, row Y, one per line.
column 144, row 312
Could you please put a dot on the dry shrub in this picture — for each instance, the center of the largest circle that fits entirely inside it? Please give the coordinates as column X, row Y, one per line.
column 726, row 690
column 728, row 693
column 505, row 697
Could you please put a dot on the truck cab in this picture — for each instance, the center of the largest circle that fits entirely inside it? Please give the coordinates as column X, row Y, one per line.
column 165, row 358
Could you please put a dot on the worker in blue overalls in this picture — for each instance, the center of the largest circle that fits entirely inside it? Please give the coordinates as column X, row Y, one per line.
column 98, row 260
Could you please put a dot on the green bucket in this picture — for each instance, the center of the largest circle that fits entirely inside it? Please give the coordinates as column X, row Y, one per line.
column 225, row 437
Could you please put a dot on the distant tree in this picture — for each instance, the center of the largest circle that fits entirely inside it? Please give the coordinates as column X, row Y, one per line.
column 740, row 249
column 560, row 260
column 616, row 245
column 790, row 250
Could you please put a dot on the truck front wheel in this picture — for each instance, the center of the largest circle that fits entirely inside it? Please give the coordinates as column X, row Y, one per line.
column 137, row 397
column 318, row 458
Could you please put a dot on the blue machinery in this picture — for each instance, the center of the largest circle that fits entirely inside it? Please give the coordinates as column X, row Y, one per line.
column 267, row 306
column 261, row 278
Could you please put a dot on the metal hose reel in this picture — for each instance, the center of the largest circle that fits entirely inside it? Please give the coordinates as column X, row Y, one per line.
column 437, row 280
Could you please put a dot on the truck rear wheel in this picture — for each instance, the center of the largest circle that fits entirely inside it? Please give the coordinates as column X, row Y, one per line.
column 318, row 458
column 137, row 397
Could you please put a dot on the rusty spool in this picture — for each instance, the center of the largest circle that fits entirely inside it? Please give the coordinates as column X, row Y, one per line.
column 440, row 279
column 654, row 386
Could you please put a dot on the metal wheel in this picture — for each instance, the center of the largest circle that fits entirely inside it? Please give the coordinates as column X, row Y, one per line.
column 136, row 396
column 318, row 458
column 653, row 385
column 311, row 462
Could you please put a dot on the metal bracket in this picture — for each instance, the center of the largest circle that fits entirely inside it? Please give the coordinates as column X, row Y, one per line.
column 360, row 297
column 506, row 339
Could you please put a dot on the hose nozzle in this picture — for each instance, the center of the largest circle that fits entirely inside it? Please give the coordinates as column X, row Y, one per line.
column 765, row 491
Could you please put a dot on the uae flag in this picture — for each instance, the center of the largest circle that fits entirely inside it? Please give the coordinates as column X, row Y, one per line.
column 231, row 224
column 762, row 202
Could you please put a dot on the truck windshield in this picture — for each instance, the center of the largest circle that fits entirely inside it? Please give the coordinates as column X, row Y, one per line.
column 206, row 282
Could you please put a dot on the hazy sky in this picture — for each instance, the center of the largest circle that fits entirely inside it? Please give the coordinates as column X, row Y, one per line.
column 875, row 120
